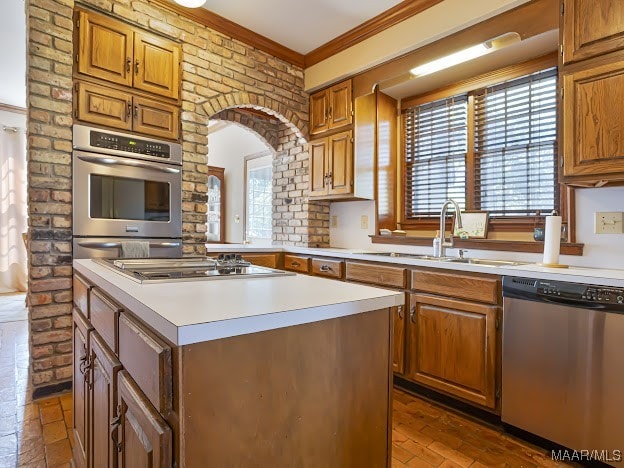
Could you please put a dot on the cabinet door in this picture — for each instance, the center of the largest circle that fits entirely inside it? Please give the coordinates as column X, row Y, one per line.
column 340, row 164
column 593, row 125
column 592, row 28
column 319, row 112
column 398, row 348
column 452, row 347
column 104, row 48
column 81, row 329
column 318, row 167
column 143, row 436
column 265, row 260
column 102, row 402
column 104, row 106
column 156, row 118
column 340, row 105
column 156, row 65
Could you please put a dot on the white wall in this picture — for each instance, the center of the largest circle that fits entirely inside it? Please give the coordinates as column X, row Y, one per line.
column 12, row 119
column 227, row 148
column 600, row 251
column 13, row 53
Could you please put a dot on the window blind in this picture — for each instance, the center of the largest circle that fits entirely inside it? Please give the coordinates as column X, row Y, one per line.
column 516, row 146
column 436, row 143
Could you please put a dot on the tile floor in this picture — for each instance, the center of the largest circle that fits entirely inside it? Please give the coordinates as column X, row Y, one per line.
column 36, row 433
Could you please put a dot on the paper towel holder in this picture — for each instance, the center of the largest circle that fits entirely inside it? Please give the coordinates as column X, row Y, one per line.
column 554, row 265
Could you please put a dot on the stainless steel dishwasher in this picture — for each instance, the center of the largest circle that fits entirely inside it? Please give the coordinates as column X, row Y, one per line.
column 563, row 363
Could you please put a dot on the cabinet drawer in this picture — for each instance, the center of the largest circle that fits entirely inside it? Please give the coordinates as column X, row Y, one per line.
column 296, row 263
column 328, row 268
column 265, row 260
column 148, row 360
column 81, row 295
column 376, row 274
column 475, row 288
column 104, row 315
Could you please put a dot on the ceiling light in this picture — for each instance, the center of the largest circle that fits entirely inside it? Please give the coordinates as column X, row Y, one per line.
column 465, row 55
column 190, row 3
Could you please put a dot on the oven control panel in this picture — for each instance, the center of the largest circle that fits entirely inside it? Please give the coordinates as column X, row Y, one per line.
column 129, row 145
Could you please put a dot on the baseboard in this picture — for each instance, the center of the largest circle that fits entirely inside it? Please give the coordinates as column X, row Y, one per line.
column 47, row 390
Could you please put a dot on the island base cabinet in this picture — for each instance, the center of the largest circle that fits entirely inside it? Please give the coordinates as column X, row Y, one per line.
column 313, row 395
column 141, row 435
column 452, row 347
column 81, row 330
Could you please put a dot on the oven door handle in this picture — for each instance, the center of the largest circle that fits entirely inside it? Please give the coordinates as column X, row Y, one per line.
column 112, row 245
column 116, row 162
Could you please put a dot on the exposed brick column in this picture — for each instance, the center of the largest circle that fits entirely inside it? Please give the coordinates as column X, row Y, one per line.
column 49, row 65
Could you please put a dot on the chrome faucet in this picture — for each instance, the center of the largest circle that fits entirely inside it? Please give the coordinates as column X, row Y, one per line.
column 443, row 242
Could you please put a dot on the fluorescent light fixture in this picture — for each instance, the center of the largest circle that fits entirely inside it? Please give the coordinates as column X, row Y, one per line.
column 190, row 3
column 465, row 55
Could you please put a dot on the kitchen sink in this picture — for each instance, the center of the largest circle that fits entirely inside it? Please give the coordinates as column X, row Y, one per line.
column 481, row 261
column 403, row 255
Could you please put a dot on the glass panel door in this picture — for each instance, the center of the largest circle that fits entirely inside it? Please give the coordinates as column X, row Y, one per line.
column 215, row 188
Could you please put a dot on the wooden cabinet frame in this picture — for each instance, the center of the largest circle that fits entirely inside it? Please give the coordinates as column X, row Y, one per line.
column 331, row 108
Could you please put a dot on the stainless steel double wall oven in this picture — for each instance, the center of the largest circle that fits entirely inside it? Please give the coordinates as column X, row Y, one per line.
column 125, row 188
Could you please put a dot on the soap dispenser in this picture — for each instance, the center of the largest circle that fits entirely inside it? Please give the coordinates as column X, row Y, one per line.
column 436, row 244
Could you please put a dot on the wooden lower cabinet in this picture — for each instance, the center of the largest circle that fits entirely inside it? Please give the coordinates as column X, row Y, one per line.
column 102, row 402
column 398, row 346
column 452, row 347
column 142, row 435
column 81, row 329
column 265, row 260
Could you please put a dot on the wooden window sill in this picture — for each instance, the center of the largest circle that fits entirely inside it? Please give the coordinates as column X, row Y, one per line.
column 482, row 244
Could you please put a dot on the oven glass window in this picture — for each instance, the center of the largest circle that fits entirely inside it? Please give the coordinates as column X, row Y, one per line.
column 122, row 198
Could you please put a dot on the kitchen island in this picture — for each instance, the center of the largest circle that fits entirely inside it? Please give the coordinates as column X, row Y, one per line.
column 282, row 371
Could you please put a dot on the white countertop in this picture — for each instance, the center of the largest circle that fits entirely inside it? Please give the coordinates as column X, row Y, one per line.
column 188, row 312
column 598, row 276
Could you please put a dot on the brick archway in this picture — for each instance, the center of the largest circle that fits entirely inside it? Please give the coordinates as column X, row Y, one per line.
column 266, row 129
column 295, row 122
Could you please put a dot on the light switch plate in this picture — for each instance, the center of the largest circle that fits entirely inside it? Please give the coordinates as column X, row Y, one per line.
column 364, row 222
column 608, row 222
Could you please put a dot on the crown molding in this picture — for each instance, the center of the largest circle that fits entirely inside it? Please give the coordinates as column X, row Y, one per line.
column 379, row 23
column 235, row 31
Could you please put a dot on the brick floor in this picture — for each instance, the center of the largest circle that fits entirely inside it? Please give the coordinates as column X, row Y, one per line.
column 424, row 434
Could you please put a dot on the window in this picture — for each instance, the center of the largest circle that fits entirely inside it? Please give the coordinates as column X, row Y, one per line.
column 258, row 197
column 492, row 149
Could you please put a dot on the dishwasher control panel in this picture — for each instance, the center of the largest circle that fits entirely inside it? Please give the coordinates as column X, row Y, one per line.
column 580, row 292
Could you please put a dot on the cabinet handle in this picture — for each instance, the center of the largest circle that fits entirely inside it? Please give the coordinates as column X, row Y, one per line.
column 129, row 109
column 330, row 178
column 136, row 112
column 412, row 311
column 128, row 65
column 295, row 264
column 325, row 268
column 400, row 312
column 329, row 112
column 136, row 67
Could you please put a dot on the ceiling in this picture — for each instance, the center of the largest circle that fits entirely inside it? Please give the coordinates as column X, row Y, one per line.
column 300, row 25
column 13, row 54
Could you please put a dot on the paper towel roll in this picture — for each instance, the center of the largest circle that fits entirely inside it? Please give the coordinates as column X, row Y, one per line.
column 552, row 239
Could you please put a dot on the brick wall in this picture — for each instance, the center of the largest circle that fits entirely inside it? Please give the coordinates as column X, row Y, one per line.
column 218, row 73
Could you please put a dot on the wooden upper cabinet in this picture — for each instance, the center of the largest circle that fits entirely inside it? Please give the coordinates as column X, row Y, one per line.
column 318, row 167
column 331, row 108
column 591, row 28
column 156, row 65
column 143, row 436
column 105, row 48
column 340, row 105
column 340, row 164
column 118, row 53
column 593, row 123
column 103, row 106
column 331, row 166
column 452, row 347
column 156, row 118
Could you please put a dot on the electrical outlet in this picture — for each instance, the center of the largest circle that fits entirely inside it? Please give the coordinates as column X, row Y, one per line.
column 334, row 221
column 609, row 222
column 364, row 222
